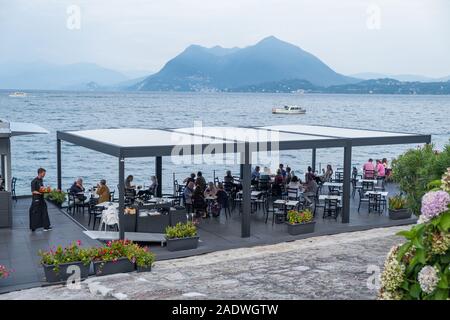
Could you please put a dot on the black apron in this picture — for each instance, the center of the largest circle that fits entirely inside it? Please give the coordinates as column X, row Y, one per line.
column 39, row 214
column 38, row 209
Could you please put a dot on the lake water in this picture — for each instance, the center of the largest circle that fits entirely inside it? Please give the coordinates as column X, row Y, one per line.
column 91, row 110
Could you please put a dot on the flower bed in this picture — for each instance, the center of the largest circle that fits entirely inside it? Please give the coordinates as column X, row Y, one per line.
column 419, row 269
column 115, row 257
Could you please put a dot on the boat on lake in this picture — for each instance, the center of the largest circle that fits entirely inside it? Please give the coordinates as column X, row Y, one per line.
column 289, row 110
column 18, row 94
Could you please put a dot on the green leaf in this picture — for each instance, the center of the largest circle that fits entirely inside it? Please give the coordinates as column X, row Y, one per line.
column 445, row 221
column 441, row 294
column 403, row 249
column 407, row 234
column 415, row 290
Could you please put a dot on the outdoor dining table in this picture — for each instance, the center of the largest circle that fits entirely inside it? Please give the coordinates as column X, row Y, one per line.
column 254, row 194
column 330, row 197
column 375, row 181
column 333, row 184
column 383, row 193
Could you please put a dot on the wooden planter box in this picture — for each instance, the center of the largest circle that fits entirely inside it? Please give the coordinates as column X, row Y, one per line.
column 62, row 274
column 122, row 265
column 300, row 228
column 182, row 243
column 399, row 214
column 129, row 222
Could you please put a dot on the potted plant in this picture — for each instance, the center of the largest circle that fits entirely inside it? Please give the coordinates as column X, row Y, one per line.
column 142, row 256
column 56, row 262
column 182, row 236
column 300, row 222
column 56, row 196
column 397, row 208
column 113, row 258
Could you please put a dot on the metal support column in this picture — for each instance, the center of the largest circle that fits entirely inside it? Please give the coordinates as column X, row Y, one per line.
column 313, row 160
column 246, row 191
column 158, row 174
column 58, row 164
column 121, row 197
column 346, row 187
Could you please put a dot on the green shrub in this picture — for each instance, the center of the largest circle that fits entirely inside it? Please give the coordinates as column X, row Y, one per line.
column 181, row 230
column 304, row 216
column 416, row 168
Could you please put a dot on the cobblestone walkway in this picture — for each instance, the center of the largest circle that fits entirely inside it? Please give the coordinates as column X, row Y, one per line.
column 328, row 267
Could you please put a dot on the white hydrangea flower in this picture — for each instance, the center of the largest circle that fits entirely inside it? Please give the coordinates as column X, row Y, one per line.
column 428, row 279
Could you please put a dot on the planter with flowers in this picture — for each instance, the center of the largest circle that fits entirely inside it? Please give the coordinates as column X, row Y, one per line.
column 55, row 196
column 59, row 264
column 398, row 208
column 182, row 236
column 121, row 256
column 300, row 222
column 419, row 268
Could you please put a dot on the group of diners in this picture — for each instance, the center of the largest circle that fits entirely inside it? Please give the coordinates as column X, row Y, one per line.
column 204, row 199
column 140, row 192
column 379, row 170
column 100, row 191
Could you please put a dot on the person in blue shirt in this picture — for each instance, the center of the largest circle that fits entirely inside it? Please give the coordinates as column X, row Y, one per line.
column 283, row 172
column 255, row 175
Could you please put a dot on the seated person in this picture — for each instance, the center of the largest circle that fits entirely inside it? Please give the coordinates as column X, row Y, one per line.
column 255, row 175
column 369, row 169
column 278, row 182
column 77, row 189
column 328, row 174
column 289, row 175
column 381, row 170
column 198, row 201
column 310, row 175
column 103, row 191
column 151, row 189
column 295, row 184
column 311, row 188
column 283, row 172
column 210, row 190
column 130, row 189
column 222, row 196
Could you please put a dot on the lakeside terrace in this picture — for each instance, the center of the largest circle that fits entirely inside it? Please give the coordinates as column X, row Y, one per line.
column 19, row 244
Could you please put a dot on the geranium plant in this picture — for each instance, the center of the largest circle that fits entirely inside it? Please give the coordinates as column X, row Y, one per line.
column 419, row 268
column 115, row 250
column 60, row 255
column 181, row 230
column 295, row 217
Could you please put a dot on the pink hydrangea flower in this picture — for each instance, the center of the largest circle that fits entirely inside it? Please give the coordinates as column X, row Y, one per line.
column 433, row 204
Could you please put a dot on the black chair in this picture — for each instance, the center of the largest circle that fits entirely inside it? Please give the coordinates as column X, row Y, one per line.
column 366, row 186
column 331, row 209
column 13, row 188
column 369, row 174
column 237, row 202
column 375, row 203
column 216, row 181
column 338, row 176
column 292, row 194
column 278, row 213
column 93, row 210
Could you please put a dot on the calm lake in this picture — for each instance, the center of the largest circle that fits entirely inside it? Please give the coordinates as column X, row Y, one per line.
column 91, row 110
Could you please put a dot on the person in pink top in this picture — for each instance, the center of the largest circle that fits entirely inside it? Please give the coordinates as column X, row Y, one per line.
column 369, row 170
column 381, row 170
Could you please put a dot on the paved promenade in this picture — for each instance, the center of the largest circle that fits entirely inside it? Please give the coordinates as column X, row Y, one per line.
column 327, row 267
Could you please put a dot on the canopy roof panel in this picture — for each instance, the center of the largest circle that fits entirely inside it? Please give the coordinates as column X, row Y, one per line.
column 11, row 129
column 135, row 142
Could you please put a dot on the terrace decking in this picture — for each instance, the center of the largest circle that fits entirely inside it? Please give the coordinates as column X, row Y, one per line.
column 19, row 247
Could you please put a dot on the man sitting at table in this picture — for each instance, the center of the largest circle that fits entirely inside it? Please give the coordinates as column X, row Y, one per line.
column 77, row 189
column 369, row 169
column 103, row 191
column 255, row 175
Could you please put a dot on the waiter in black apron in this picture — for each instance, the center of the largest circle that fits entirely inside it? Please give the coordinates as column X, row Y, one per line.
column 38, row 210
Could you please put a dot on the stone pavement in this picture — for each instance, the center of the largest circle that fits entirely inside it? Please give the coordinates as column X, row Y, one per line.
column 327, row 267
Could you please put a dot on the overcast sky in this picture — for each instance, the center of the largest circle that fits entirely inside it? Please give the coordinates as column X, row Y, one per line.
column 351, row 36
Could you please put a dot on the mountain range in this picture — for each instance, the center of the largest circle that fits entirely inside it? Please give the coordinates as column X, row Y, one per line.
column 271, row 65
column 198, row 68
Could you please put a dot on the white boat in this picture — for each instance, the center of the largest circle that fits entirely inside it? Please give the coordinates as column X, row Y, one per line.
column 18, row 94
column 289, row 110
